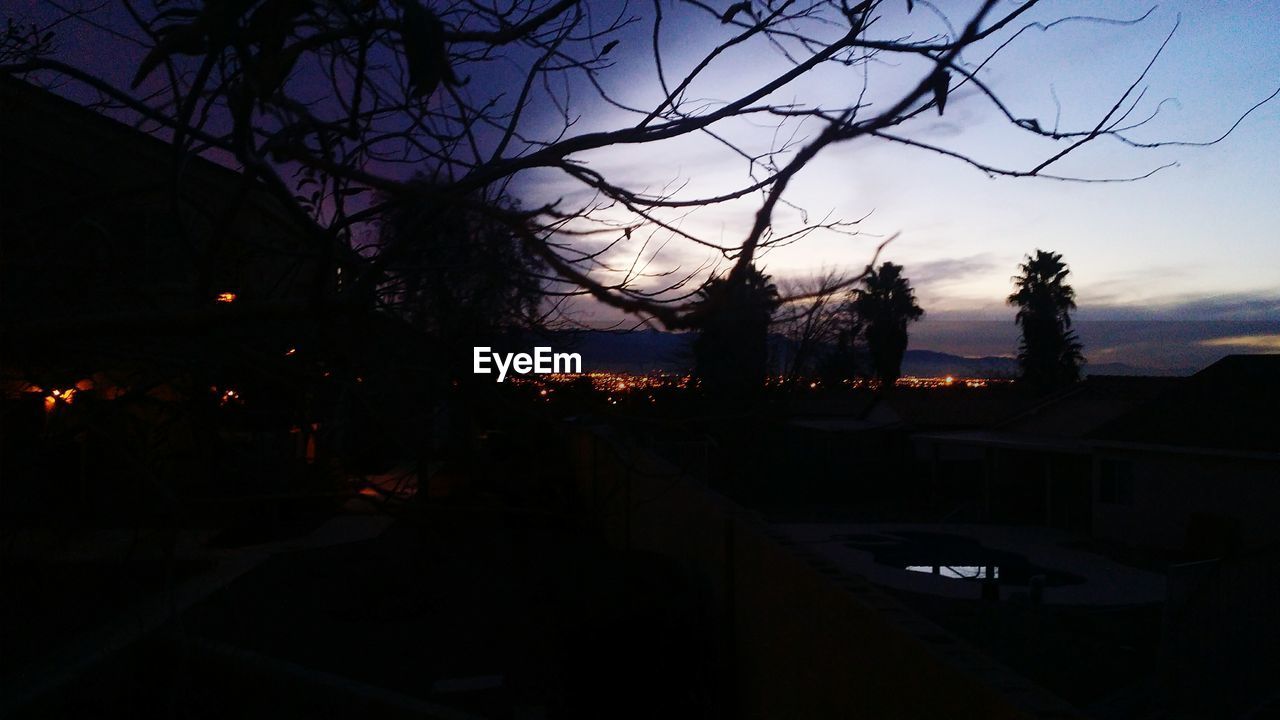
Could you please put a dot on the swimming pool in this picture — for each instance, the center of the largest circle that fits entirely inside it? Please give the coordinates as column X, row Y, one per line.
column 954, row 557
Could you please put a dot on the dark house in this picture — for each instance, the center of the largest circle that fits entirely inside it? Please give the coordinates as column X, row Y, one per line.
column 147, row 301
column 1199, row 466
column 1033, row 466
column 1177, row 464
column 858, row 446
column 104, row 219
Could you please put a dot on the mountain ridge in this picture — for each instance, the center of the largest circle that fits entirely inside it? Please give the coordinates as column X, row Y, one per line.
column 649, row 350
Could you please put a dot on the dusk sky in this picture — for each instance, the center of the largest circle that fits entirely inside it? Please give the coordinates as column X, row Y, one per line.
column 1197, row 245
column 1197, row 242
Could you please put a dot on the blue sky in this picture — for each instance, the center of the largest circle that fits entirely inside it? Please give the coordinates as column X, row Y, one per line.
column 1208, row 228
column 1198, row 243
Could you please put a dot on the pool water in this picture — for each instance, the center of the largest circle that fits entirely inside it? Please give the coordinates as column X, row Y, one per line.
column 954, row 557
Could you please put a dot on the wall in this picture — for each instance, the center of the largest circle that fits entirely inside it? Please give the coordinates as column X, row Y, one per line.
column 1170, row 488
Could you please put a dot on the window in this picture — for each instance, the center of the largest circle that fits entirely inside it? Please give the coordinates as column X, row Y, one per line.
column 1115, row 481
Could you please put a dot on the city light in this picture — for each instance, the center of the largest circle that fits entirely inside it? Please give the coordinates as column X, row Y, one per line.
column 618, row 384
column 227, row 396
column 59, row 396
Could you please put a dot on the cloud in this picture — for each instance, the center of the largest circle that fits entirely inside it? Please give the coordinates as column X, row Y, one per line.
column 1263, row 342
column 1258, row 306
column 952, row 270
column 1160, row 344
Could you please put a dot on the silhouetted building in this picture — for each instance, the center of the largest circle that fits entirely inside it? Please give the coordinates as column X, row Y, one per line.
column 859, row 446
column 135, row 280
column 1179, row 464
column 103, row 219
column 1197, row 468
column 1034, row 466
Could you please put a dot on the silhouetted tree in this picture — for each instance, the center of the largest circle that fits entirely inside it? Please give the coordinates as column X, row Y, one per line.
column 885, row 304
column 812, row 325
column 732, row 317
column 846, row 359
column 462, row 278
column 331, row 107
column 1049, row 351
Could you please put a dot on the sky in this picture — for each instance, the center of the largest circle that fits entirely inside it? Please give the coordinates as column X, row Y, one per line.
column 1192, row 252
column 1170, row 271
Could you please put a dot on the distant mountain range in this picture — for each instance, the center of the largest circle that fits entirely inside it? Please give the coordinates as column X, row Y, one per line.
column 654, row 350
column 633, row 351
column 928, row 363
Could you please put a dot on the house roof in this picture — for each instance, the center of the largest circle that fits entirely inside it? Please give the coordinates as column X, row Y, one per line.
column 78, row 147
column 1009, row 440
column 1084, row 407
column 105, row 258
column 954, row 408
column 959, row 407
column 1062, row 421
column 52, row 142
column 1234, row 404
column 836, row 424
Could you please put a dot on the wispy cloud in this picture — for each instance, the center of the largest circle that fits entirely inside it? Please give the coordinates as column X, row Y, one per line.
column 951, row 271
column 1265, row 342
column 1163, row 344
column 1259, row 306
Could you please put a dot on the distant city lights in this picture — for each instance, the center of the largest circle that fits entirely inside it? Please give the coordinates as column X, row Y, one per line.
column 59, row 396
column 227, row 396
column 615, row 384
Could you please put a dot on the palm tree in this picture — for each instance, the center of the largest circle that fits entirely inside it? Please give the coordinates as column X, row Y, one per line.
column 885, row 304
column 732, row 319
column 1049, row 352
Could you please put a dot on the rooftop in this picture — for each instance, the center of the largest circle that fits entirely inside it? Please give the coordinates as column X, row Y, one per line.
column 1230, row 405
